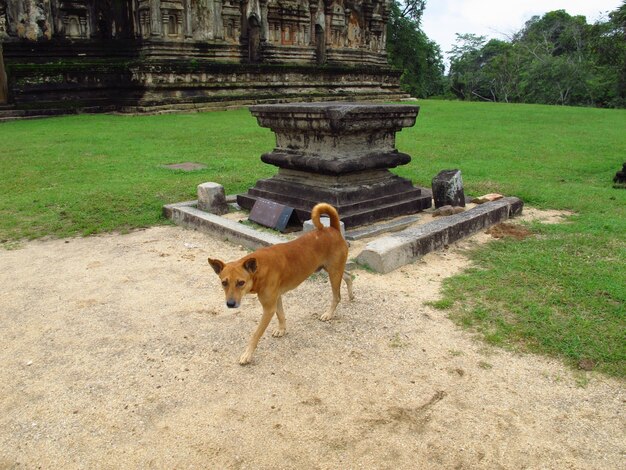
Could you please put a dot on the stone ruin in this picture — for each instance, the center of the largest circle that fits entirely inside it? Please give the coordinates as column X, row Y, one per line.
column 339, row 153
column 149, row 55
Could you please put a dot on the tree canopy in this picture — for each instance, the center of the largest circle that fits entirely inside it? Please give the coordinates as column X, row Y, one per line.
column 410, row 50
column 556, row 58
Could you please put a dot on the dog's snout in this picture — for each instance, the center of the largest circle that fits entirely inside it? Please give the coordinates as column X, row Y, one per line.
column 230, row 303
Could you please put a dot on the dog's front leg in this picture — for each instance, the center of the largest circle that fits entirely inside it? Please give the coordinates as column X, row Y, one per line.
column 268, row 313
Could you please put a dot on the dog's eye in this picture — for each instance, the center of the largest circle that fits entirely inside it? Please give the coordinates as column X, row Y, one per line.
column 224, row 282
column 240, row 283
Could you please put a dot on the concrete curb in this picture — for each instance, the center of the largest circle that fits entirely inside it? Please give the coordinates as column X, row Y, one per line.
column 186, row 214
column 395, row 250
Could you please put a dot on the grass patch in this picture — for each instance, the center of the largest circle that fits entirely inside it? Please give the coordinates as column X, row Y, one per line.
column 560, row 292
column 441, row 304
column 79, row 175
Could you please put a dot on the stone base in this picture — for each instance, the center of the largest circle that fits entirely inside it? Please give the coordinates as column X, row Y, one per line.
column 133, row 77
column 361, row 198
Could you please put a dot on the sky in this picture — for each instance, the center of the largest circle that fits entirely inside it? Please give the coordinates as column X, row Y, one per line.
column 498, row 18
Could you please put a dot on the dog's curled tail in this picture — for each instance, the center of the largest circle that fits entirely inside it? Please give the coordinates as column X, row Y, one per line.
column 330, row 211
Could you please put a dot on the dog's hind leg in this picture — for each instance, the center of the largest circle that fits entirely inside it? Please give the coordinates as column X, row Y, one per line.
column 348, row 279
column 335, row 277
column 280, row 315
column 268, row 313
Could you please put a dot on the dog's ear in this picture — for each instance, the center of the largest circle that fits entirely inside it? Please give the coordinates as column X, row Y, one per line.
column 217, row 265
column 250, row 265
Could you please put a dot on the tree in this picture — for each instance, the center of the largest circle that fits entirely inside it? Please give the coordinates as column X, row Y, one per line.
column 557, row 68
column 555, row 58
column 410, row 50
column 466, row 77
column 607, row 41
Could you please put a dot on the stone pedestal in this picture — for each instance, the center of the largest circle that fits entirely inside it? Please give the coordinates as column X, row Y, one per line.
column 340, row 154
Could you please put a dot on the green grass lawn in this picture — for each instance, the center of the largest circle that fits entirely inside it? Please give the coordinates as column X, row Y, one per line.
column 561, row 292
column 92, row 173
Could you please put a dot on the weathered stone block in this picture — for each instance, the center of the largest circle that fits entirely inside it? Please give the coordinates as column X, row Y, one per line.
column 448, row 189
column 388, row 253
column 211, row 198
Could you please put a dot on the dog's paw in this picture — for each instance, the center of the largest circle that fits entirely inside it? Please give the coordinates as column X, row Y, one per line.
column 278, row 332
column 245, row 358
column 326, row 316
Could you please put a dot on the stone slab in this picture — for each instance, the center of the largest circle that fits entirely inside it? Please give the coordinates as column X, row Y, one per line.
column 377, row 229
column 270, row 214
column 395, row 250
column 186, row 214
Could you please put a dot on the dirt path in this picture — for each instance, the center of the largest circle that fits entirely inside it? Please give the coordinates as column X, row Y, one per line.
column 117, row 352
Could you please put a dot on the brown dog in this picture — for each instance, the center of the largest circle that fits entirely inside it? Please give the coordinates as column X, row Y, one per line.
column 272, row 271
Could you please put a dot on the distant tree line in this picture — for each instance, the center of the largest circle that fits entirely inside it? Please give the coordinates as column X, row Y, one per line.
column 554, row 59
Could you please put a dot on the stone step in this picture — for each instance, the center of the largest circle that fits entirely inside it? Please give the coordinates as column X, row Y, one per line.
column 361, row 213
column 348, row 200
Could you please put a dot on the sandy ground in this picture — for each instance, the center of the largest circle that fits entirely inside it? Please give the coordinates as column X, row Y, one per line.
column 117, row 352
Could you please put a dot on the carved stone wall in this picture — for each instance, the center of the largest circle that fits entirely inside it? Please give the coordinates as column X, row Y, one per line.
column 165, row 34
column 285, row 26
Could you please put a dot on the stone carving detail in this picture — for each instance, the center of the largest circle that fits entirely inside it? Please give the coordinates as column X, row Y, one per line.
column 28, row 19
column 3, row 19
column 73, row 20
column 274, row 31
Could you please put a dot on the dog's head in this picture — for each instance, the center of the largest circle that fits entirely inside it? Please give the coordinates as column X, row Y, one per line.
column 236, row 278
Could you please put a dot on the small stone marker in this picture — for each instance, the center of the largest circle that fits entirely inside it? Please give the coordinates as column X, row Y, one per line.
column 211, row 198
column 448, row 189
column 270, row 214
column 308, row 225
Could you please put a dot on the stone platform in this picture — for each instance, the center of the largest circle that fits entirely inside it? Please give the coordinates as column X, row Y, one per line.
column 339, row 153
column 384, row 253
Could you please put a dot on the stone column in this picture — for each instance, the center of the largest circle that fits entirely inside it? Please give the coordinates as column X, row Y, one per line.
column 188, row 27
column 313, row 10
column 155, row 18
column 264, row 23
column 328, row 16
column 218, row 20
